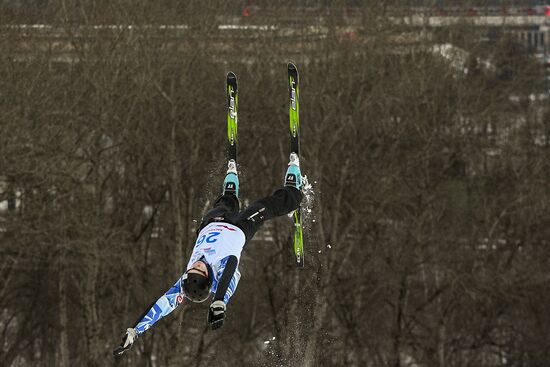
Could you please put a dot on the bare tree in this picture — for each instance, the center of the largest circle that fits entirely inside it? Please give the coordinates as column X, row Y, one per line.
column 427, row 242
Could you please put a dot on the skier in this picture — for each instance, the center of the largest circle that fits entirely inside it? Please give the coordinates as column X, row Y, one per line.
column 222, row 235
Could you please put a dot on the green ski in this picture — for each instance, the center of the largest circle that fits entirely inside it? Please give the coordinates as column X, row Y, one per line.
column 232, row 104
column 294, row 117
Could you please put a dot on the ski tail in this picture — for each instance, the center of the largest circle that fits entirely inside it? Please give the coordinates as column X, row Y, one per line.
column 294, row 117
column 232, row 109
column 298, row 238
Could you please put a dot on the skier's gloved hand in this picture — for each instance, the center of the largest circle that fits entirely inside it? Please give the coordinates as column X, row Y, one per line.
column 216, row 314
column 127, row 340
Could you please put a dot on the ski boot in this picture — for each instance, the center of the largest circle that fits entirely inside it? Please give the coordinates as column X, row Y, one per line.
column 293, row 175
column 231, row 182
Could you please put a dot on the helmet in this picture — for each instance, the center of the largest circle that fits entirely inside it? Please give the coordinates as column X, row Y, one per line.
column 195, row 286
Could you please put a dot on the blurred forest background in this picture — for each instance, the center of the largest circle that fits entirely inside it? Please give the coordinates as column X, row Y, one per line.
column 428, row 148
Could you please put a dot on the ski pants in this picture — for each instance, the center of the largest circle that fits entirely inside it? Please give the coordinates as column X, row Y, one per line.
column 226, row 209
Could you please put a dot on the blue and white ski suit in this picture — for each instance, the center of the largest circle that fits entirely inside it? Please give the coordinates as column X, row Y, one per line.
column 223, row 234
column 215, row 244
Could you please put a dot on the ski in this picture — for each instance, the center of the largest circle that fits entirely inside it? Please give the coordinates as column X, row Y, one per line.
column 232, row 104
column 294, row 117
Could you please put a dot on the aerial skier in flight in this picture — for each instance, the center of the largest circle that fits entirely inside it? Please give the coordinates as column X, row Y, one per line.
column 223, row 233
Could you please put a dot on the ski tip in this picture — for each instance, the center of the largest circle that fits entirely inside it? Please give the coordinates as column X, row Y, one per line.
column 293, row 71
column 232, row 80
column 231, row 75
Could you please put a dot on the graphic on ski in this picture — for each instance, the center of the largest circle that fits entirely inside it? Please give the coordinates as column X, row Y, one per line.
column 232, row 105
column 294, row 117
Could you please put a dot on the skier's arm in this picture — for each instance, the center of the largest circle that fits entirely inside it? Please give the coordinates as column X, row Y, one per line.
column 162, row 307
column 167, row 303
column 228, row 278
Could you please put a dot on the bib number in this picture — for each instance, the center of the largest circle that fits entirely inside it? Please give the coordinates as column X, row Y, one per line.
column 209, row 238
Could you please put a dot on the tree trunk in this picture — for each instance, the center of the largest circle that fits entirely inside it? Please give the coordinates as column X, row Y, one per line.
column 63, row 320
column 179, row 228
column 90, row 312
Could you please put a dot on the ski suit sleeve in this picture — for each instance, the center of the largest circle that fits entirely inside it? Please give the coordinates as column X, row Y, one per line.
column 227, row 279
column 167, row 303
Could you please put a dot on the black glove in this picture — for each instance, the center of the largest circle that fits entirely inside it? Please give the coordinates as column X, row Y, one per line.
column 127, row 340
column 216, row 314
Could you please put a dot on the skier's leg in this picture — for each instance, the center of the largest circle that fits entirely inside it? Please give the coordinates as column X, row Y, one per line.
column 293, row 175
column 228, row 202
column 281, row 202
column 225, row 204
column 231, row 181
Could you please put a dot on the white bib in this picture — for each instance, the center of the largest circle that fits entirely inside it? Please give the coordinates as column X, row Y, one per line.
column 215, row 242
